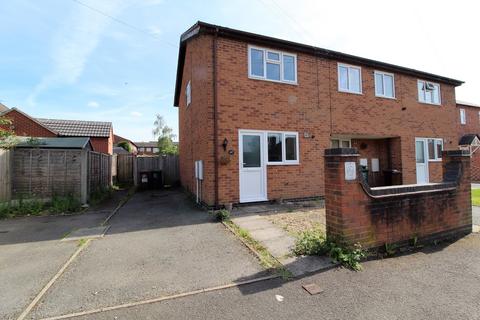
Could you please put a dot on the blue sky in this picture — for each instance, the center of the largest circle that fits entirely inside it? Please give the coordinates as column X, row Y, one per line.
column 60, row 59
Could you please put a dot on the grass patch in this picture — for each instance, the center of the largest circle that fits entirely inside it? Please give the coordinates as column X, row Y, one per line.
column 22, row 207
column 37, row 207
column 476, row 197
column 266, row 259
column 314, row 242
column 82, row 242
column 65, row 204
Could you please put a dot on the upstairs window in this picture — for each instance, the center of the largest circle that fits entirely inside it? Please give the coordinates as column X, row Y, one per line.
column 341, row 143
column 349, row 78
column 188, row 93
column 428, row 92
column 272, row 65
column 463, row 116
column 384, row 85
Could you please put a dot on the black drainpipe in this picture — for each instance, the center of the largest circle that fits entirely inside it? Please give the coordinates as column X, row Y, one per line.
column 215, row 117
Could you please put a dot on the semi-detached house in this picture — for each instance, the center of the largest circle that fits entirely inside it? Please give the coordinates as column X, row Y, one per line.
column 256, row 114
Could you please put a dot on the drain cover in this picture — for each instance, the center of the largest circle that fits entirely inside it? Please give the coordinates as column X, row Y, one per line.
column 312, row 288
column 87, row 233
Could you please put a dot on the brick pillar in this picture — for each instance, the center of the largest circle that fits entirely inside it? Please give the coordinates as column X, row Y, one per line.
column 341, row 188
column 458, row 162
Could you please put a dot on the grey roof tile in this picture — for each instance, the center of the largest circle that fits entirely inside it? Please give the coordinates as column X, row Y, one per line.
column 78, row 128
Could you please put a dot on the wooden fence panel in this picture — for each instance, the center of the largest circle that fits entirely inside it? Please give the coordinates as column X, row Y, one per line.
column 5, row 175
column 125, row 168
column 99, row 172
column 43, row 173
column 171, row 170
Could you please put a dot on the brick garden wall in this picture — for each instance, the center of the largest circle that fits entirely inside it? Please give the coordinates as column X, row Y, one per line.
column 375, row 216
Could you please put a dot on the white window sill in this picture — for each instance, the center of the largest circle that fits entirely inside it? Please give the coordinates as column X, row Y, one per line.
column 431, row 104
column 434, row 160
column 293, row 83
column 386, row 97
column 353, row 92
column 282, row 163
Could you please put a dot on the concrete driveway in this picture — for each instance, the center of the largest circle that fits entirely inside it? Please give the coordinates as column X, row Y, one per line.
column 31, row 253
column 158, row 244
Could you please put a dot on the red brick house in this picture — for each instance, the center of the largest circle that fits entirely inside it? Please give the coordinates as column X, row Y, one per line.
column 256, row 113
column 468, row 123
column 149, row 148
column 100, row 133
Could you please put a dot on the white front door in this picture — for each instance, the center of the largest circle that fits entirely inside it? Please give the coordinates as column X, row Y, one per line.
column 421, row 159
column 253, row 178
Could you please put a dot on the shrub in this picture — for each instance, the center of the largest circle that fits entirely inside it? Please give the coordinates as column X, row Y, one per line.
column 310, row 242
column 314, row 242
column 65, row 204
column 222, row 215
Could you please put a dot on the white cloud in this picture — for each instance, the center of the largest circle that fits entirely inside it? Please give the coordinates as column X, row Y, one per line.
column 136, row 114
column 74, row 43
column 154, row 30
column 93, row 104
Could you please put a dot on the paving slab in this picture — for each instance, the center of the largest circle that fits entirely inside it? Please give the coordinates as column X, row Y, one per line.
column 268, row 233
column 86, row 233
column 280, row 244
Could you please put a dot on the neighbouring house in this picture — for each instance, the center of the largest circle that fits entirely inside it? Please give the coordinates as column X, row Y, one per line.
column 468, row 123
column 147, row 148
column 119, row 140
column 256, row 114
column 100, row 133
column 3, row 107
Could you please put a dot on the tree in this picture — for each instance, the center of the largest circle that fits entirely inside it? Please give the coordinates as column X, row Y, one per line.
column 164, row 135
column 125, row 145
column 7, row 136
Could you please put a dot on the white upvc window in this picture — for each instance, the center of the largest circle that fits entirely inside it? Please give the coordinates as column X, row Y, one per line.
column 428, row 92
column 341, row 143
column 384, row 84
column 463, row 116
column 435, row 148
column 282, row 147
column 349, row 78
column 478, row 116
column 188, row 93
column 272, row 65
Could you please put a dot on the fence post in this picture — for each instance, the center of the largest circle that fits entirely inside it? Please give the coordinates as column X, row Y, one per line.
column 84, row 177
column 135, row 173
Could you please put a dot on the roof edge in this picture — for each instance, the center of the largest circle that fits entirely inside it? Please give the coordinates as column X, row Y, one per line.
column 201, row 27
column 29, row 117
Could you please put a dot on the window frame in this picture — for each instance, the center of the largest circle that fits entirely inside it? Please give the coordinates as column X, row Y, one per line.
column 383, row 73
column 437, row 157
column 340, row 140
column 463, row 116
column 424, row 100
column 266, row 60
column 349, row 66
column 188, row 93
column 284, row 161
